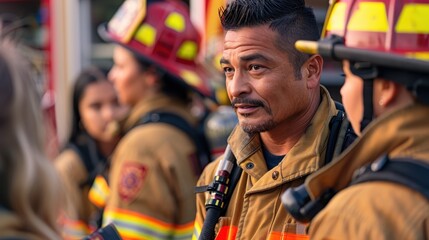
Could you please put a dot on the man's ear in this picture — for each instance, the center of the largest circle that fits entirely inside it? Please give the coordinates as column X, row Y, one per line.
column 311, row 71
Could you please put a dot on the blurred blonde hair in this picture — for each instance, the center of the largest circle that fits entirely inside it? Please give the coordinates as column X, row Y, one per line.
column 29, row 186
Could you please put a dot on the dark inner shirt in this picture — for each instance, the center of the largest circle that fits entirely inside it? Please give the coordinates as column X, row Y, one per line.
column 270, row 159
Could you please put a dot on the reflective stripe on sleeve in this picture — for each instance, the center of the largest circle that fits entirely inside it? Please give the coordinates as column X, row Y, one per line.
column 197, row 231
column 72, row 230
column 132, row 225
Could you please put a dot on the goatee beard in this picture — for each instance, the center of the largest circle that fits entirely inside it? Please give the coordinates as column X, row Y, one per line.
column 253, row 129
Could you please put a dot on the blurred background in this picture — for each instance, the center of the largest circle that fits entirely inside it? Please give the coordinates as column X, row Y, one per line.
column 60, row 38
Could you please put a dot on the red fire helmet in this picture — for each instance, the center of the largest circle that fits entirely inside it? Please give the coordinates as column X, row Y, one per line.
column 389, row 33
column 161, row 33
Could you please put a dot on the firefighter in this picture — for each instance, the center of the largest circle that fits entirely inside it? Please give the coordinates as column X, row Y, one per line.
column 155, row 166
column 284, row 119
column 94, row 135
column 30, row 197
column 381, row 180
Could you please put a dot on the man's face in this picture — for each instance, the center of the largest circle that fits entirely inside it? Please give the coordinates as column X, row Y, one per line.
column 260, row 80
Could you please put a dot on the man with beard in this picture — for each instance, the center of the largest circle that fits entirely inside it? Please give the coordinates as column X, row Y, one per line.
column 284, row 120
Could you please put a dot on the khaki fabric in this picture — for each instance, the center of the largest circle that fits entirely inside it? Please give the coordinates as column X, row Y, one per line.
column 77, row 208
column 152, row 176
column 255, row 210
column 376, row 210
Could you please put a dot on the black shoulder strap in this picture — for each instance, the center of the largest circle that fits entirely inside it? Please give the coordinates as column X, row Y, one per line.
column 83, row 153
column 341, row 134
column 194, row 133
column 409, row 172
column 91, row 160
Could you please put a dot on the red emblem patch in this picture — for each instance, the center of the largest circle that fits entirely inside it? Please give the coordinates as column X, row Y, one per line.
column 131, row 180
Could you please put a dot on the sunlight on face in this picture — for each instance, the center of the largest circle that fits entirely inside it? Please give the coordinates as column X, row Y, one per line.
column 260, row 80
column 352, row 97
column 126, row 76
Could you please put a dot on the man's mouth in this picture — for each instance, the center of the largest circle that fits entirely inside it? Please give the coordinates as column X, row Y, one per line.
column 245, row 109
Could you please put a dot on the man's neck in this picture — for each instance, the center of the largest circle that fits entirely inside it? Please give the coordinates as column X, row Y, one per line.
column 286, row 134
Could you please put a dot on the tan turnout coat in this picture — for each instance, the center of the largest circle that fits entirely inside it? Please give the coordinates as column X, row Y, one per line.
column 255, row 210
column 376, row 210
column 152, row 176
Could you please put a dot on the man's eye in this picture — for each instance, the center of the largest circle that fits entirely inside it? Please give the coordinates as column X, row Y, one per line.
column 227, row 69
column 254, row 67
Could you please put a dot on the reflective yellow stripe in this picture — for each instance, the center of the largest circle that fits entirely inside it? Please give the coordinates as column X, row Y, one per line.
column 146, row 34
column 414, row 18
column 369, row 17
column 99, row 192
column 175, row 21
column 190, row 77
column 337, row 19
column 72, row 229
column 418, row 55
column 188, row 50
column 197, row 231
column 132, row 225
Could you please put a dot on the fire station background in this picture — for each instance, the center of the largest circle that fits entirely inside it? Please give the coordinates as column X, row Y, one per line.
column 60, row 38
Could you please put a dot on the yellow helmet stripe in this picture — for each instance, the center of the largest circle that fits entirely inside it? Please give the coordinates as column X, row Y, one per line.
column 146, row 34
column 188, row 50
column 176, row 22
column 369, row 17
column 337, row 18
column 191, row 77
column 419, row 55
column 414, row 18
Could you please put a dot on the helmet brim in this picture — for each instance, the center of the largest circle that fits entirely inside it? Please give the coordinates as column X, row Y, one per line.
column 332, row 48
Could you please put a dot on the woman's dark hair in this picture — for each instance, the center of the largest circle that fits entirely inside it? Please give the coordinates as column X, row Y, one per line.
column 291, row 19
column 87, row 77
column 170, row 85
column 80, row 141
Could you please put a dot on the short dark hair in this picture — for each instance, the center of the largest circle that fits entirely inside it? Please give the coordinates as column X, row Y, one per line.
column 170, row 85
column 291, row 19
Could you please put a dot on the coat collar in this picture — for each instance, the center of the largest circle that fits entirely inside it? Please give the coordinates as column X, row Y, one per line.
column 401, row 133
column 305, row 157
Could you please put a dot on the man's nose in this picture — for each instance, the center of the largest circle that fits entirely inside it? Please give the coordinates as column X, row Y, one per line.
column 239, row 85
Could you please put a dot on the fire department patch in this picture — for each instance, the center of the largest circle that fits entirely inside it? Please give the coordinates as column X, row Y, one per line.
column 131, row 180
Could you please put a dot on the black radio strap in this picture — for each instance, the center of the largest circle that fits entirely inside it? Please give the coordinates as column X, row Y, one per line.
column 175, row 120
column 412, row 173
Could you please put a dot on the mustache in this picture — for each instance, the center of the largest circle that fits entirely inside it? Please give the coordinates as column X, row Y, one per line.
column 247, row 101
